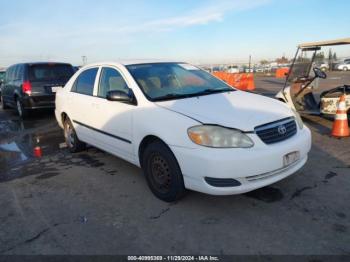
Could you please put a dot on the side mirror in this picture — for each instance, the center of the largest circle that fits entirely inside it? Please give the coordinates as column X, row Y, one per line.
column 121, row 96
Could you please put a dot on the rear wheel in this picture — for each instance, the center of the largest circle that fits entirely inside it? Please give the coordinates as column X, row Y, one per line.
column 162, row 172
column 20, row 109
column 73, row 143
column 345, row 68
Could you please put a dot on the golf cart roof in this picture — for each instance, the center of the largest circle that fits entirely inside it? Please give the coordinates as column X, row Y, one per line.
column 344, row 41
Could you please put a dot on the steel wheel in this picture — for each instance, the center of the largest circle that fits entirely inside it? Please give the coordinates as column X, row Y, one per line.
column 160, row 173
column 72, row 141
column 69, row 135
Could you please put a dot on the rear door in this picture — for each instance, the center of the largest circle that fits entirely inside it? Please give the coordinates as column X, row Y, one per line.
column 79, row 101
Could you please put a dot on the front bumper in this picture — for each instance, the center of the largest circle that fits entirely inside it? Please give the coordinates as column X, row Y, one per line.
column 254, row 167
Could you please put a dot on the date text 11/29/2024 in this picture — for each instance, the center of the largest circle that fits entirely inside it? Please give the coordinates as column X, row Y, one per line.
column 173, row 258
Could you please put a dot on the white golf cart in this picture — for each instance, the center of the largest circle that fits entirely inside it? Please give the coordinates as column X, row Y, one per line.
column 303, row 77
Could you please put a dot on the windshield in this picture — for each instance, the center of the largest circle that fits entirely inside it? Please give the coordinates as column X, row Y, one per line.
column 166, row 81
column 49, row 72
column 302, row 66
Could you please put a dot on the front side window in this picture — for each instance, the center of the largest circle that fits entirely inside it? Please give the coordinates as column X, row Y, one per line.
column 85, row 82
column 167, row 81
column 111, row 80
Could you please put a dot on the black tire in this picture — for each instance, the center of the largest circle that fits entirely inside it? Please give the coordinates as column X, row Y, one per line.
column 73, row 143
column 22, row 113
column 345, row 69
column 3, row 104
column 162, row 172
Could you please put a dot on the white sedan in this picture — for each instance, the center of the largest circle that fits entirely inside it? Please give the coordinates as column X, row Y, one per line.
column 344, row 66
column 185, row 128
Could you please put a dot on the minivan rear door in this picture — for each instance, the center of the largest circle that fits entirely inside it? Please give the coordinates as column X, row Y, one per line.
column 44, row 76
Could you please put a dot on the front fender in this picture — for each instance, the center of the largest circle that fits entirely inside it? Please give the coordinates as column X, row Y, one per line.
column 169, row 126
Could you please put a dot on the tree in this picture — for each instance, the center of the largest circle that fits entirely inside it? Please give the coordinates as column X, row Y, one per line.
column 335, row 58
column 330, row 59
column 319, row 58
column 264, row 62
column 282, row 60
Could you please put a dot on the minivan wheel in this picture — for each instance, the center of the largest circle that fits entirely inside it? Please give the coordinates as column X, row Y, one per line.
column 73, row 143
column 162, row 172
column 20, row 110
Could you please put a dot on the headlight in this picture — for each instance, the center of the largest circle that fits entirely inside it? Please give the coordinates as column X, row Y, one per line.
column 298, row 119
column 220, row 137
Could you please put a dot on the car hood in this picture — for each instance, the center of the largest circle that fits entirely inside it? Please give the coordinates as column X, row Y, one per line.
column 241, row 110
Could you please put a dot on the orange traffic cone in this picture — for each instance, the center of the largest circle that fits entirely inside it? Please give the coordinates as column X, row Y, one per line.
column 340, row 125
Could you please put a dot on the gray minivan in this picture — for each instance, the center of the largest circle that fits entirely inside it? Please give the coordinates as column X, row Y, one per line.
column 32, row 85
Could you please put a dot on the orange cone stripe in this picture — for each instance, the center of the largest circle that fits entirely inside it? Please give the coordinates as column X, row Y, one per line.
column 341, row 117
column 342, row 106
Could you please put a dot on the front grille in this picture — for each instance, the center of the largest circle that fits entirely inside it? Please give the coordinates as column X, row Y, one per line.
column 277, row 131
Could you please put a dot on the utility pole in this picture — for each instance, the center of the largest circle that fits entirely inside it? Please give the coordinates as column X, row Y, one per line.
column 250, row 62
column 84, row 58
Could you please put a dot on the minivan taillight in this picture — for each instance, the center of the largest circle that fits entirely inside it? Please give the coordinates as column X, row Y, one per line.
column 27, row 87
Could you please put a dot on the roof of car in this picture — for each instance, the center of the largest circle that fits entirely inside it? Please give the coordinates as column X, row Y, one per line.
column 133, row 62
column 40, row 63
column 343, row 41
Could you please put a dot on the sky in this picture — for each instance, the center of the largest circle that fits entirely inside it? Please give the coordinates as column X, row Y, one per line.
column 197, row 31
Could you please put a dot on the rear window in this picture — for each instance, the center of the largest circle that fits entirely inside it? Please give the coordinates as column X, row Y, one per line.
column 50, row 72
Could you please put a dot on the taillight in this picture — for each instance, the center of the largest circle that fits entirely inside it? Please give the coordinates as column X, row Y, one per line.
column 27, row 87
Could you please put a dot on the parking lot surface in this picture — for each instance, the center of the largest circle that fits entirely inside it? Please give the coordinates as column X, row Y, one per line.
column 94, row 203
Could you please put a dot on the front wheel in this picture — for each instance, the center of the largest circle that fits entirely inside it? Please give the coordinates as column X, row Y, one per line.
column 345, row 69
column 73, row 143
column 162, row 172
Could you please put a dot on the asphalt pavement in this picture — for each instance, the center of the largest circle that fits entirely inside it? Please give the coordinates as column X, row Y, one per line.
column 95, row 203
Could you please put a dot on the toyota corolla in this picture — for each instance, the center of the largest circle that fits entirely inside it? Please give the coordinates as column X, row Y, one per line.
column 185, row 128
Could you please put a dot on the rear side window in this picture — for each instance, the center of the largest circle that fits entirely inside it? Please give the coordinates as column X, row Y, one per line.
column 50, row 72
column 85, row 82
column 19, row 72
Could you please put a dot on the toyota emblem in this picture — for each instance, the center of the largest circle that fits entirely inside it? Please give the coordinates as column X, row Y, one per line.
column 282, row 130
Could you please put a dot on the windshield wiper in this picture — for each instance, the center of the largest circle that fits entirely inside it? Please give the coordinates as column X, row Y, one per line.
column 212, row 91
column 171, row 96
column 204, row 92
